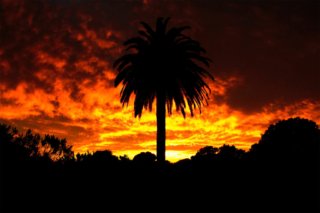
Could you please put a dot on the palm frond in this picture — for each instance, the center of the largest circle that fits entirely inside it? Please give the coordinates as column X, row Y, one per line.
column 148, row 28
column 176, row 31
column 145, row 34
column 135, row 41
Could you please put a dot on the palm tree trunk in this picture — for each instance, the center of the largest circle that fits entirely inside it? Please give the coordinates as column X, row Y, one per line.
column 161, row 127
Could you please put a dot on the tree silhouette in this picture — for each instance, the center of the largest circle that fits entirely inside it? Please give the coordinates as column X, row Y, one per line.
column 56, row 148
column 286, row 179
column 146, row 158
column 287, row 140
column 207, row 153
column 11, row 152
column 230, row 153
column 166, row 65
column 287, row 158
column 33, row 145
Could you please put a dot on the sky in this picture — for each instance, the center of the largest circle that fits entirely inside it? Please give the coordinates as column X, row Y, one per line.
column 56, row 74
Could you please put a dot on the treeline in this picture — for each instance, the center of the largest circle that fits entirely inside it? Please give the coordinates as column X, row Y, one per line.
column 279, row 173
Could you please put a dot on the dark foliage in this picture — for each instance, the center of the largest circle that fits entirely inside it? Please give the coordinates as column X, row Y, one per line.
column 145, row 158
column 291, row 140
column 223, row 179
column 33, row 145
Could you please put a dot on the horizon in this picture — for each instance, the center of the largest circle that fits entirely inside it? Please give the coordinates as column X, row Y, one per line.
column 56, row 73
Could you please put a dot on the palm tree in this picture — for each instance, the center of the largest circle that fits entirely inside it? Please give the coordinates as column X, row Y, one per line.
column 166, row 65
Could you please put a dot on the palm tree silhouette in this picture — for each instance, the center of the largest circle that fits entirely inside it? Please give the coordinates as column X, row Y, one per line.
column 166, row 65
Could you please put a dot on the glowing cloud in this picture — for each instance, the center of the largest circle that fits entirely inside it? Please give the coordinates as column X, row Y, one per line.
column 56, row 75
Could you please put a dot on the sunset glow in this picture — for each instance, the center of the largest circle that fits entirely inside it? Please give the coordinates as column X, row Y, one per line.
column 56, row 76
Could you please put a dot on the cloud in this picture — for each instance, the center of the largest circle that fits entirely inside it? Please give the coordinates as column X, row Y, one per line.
column 56, row 71
column 271, row 45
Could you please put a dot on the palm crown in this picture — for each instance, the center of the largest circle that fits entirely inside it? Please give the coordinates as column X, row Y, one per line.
column 167, row 62
column 167, row 65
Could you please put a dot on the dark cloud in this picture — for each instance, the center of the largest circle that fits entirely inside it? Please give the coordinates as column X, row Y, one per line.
column 8, row 102
column 272, row 45
column 55, row 103
column 55, row 39
column 265, row 53
column 60, row 126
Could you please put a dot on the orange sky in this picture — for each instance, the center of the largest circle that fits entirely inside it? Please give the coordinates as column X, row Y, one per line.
column 100, row 123
column 56, row 74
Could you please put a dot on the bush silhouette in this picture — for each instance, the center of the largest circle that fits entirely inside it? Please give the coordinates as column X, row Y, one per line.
column 145, row 157
column 295, row 139
column 230, row 153
column 287, row 159
column 32, row 145
column 206, row 153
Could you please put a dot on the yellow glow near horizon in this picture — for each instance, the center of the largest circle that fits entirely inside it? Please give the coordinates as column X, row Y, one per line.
column 99, row 122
